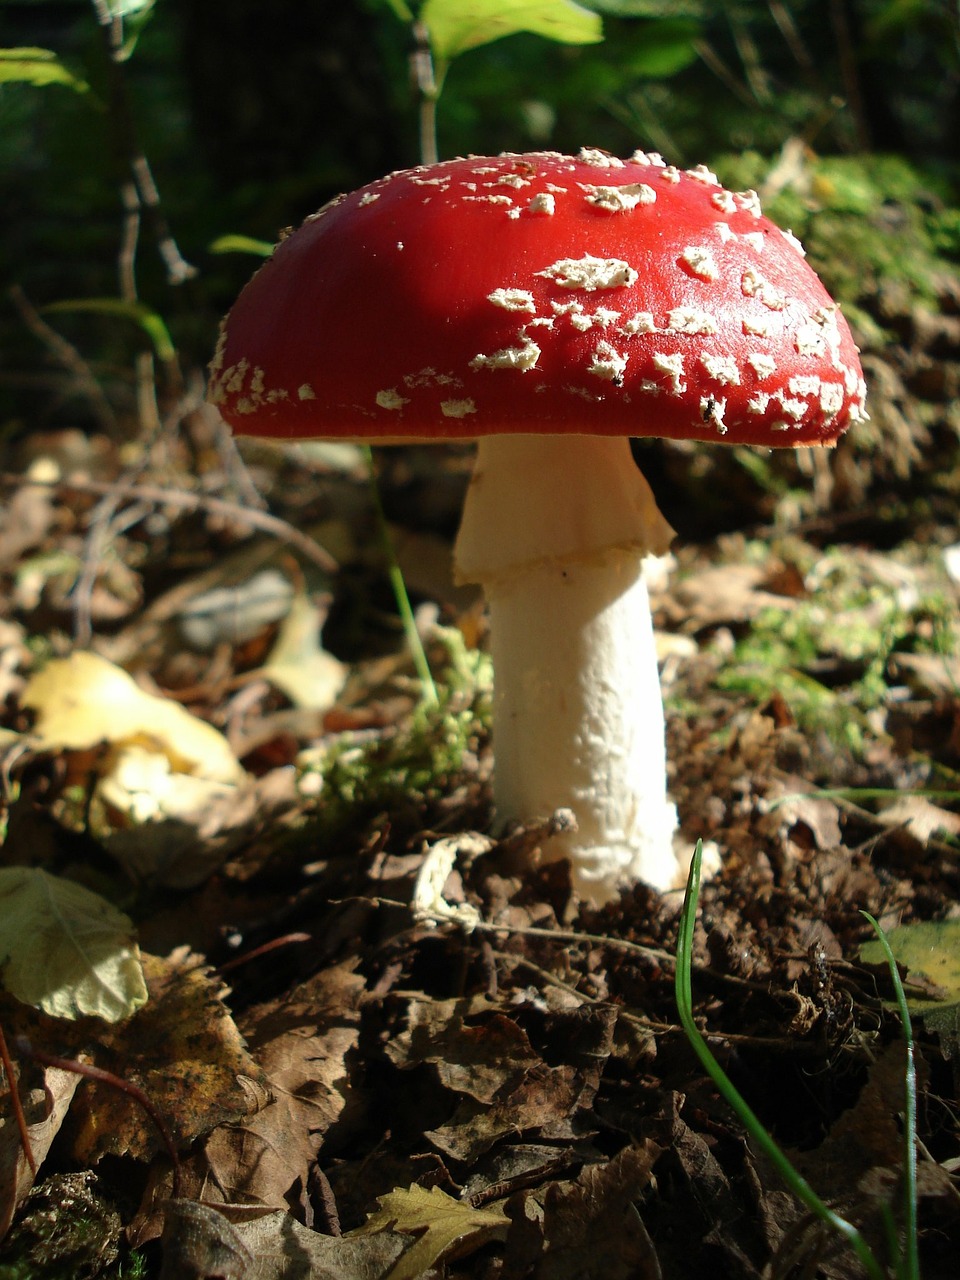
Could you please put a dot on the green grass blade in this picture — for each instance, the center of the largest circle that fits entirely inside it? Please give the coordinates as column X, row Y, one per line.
column 910, row 1260
column 794, row 1180
column 429, row 689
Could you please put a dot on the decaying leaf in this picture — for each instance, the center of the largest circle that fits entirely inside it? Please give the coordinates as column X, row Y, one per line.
column 428, row 903
column 592, row 1227
column 84, row 700
column 298, row 663
column 928, row 950
column 184, row 1051
column 446, row 1228
column 921, row 817
column 198, row 1242
column 543, row 1101
column 302, row 1045
column 284, row 1249
column 44, row 1110
column 165, row 827
column 481, row 1061
column 170, row 799
column 66, row 950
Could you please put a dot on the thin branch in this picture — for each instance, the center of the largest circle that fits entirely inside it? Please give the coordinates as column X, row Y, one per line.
column 17, row 1105
column 133, row 1091
column 129, row 152
column 791, row 36
column 66, row 355
column 158, row 496
column 424, row 76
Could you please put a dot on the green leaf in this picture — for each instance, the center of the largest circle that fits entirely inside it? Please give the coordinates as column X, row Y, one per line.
column 458, row 25
column 148, row 320
column 37, row 67
column 242, row 244
column 401, row 9
column 66, row 950
column 666, row 48
column 666, row 9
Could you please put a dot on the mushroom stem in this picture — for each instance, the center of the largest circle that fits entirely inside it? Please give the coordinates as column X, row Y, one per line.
column 556, row 529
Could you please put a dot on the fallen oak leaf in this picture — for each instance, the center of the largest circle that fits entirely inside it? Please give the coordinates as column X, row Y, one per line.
column 446, row 1228
column 304, row 1046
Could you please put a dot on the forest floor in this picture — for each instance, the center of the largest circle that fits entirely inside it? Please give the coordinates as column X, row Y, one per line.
column 386, row 1046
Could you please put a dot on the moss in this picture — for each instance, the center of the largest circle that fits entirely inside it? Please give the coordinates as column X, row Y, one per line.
column 864, row 220
column 416, row 762
column 65, row 1231
column 828, row 656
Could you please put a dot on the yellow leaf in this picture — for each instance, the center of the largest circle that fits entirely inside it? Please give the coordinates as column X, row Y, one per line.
column 447, row 1228
column 299, row 665
column 84, row 700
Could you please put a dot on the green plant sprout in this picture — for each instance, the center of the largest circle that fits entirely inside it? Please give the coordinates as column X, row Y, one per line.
column 906, row 1266
column 395, row 573
column 417, row 761
column 444, row 29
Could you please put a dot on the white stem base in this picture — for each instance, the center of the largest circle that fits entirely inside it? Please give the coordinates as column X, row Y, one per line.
column 578, row 718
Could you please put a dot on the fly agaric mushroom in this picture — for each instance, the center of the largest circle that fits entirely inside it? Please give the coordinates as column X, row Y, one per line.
column 551, row 307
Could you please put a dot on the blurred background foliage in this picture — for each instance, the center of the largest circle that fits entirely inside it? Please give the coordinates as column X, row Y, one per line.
column 845, row 113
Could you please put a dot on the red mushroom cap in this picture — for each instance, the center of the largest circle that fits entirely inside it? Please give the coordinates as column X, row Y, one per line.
column 540, row 294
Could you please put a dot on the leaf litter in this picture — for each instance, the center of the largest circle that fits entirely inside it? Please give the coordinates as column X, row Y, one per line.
column 380, row 1047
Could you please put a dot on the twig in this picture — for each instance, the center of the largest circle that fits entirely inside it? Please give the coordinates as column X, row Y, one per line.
column 129, row 152
column 158, row 496
column 847, row 57
column 66, row 355
column 17, row 1105
column 792, row 37
column 91, row 1072
column 711, row 59
column 105, row 525
column 424, row 74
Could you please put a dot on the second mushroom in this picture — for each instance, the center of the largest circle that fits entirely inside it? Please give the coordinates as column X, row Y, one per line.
column 552, row 307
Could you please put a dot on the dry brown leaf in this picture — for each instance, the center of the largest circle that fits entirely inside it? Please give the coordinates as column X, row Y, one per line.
column 479, row 1061
column 44, row 1110
column 302, row 1046
column 725, row 594
column 25, row 518
column 920, row 817
column 184, row 1050
column 286, row 1250
column 791, row 800
column 544, row 1100
column 591, row 1228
